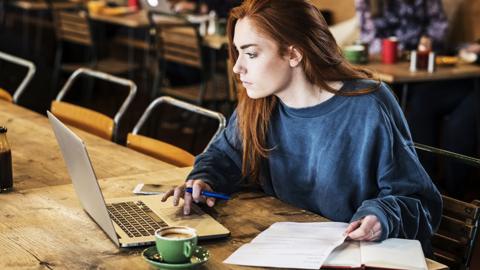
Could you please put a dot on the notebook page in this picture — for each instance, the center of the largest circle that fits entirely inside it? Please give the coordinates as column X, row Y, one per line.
column 345, row 255
column 291, row 245
column 394, row 253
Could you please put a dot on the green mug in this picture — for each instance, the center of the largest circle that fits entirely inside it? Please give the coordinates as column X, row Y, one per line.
column 355, row 54
column 176, row 244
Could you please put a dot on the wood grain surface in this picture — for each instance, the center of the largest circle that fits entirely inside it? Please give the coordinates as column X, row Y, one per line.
column 37, row 160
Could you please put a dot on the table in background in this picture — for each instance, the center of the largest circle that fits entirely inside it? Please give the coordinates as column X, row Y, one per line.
column 399, row 73
column 139, row 20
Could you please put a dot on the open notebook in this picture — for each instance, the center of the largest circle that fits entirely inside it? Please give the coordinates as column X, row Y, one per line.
column 313, row 245
column 392, row 253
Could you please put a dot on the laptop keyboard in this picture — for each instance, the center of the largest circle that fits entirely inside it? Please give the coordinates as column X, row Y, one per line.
column 135, row 218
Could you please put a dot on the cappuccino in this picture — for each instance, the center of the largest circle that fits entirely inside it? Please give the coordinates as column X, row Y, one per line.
column 177, row 235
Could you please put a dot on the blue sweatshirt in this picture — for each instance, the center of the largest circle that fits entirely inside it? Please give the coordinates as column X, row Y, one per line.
column 345, row 158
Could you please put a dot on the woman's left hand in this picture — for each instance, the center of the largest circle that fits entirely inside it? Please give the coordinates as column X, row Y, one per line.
column 366, row 229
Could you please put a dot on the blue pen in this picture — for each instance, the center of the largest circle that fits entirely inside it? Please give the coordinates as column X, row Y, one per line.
column 210, row 194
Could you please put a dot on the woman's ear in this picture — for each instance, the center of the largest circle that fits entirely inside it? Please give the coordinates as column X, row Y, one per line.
column 295, row 57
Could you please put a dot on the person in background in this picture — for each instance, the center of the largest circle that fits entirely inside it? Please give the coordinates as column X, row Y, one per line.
column 314, row 131
column 221, row 7
column 418, row 24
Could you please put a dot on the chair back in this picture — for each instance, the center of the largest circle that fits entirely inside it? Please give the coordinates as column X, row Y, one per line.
column 4, row 94
column 181, row 44
column 455, row 242
column 87, row 119
column 72, row 25
column 455, row 239
column 84, row 119
column 162, row 150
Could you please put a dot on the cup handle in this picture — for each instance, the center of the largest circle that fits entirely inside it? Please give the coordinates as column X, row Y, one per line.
column 187, row 249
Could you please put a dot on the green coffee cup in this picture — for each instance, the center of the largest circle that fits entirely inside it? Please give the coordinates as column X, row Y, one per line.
column 354, row 54
column 176, row 244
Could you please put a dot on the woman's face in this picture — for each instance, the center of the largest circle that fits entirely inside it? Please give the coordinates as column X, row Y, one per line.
column 263, row 72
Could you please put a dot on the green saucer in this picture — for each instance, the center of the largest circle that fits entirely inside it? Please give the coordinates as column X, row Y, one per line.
column 200, row 256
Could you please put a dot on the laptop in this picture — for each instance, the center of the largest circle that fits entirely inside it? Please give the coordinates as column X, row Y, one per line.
column 160, row 6
column 129, row 221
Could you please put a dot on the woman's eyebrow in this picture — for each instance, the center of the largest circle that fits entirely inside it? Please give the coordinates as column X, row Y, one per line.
column 243, row 47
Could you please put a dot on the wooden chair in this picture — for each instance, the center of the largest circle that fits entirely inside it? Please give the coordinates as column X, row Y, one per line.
column 455, row 242
column 72, row 25
column 182, row 44
column 6, row 95
column 89, row 120
column 162, row 150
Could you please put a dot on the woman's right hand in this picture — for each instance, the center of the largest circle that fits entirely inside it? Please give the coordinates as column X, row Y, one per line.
column 197, row 186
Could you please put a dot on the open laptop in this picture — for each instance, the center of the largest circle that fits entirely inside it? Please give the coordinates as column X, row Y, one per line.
column 129, row 221
column 160, row 6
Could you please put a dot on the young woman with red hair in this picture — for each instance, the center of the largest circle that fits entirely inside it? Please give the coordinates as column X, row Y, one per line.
column 314, row 131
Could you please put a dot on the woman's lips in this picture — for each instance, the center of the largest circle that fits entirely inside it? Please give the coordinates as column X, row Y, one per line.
column 245, row 83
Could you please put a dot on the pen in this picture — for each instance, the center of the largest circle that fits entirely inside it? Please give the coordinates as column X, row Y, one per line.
column 210, row 194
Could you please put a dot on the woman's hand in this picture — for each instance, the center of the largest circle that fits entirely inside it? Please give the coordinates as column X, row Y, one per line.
column 366, row 229
column 197, row 187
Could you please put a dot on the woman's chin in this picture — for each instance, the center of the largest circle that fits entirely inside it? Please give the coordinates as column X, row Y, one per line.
column 255, row 94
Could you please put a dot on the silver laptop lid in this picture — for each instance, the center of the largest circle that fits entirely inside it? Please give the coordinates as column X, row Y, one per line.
column 161, row 6
column 83, row 177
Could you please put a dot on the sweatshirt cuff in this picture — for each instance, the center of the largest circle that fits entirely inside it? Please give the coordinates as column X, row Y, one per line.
column 371, row 210
column 203, row 177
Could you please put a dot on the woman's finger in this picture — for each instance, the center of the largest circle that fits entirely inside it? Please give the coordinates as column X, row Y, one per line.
column 352, row 226
column 187, row 198
column 167, row 194
column 177, row 193
column 365, row 231
column 197, row 187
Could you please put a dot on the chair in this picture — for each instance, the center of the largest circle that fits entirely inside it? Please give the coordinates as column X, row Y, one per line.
column 455, row 243
column 162, row 150
column 89, row 120
column 6, row 95
column 182, row 44
column 72, row 25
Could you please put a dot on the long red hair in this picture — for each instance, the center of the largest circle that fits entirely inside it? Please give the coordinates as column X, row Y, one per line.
column 288, row 23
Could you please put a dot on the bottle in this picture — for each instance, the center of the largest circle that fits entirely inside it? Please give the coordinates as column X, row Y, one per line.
column 413, row 61
column 212, row 23
column 431, row 62
column 6, row 179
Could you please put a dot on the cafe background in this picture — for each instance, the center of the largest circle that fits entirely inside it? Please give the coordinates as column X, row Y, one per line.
column 29, row 33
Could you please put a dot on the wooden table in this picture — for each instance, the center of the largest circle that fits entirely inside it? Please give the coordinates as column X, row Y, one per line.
column 44, row 226
column 37, row 161
column 399, row 73
column 41, row 5
column 139, row 19
column 47, row 227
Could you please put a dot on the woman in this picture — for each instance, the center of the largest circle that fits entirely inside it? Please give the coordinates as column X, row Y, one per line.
column 313, row 131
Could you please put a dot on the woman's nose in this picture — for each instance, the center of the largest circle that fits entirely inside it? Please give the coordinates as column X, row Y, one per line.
column 237, row 67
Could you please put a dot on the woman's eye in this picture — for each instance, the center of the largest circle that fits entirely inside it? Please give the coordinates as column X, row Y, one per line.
column 251, row 55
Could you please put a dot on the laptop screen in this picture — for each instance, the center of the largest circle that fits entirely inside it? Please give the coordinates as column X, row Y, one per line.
column 161, row 6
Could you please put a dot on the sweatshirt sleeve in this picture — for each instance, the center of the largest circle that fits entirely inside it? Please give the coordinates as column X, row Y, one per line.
column 220, row 165
column 408, row 204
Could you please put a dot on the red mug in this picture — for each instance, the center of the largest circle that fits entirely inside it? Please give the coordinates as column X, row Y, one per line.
column 133, row 4
column 389, row 50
